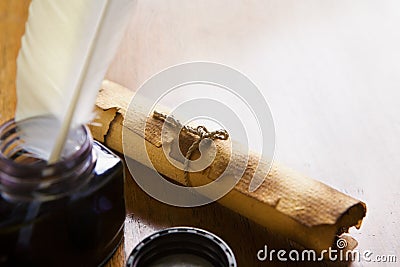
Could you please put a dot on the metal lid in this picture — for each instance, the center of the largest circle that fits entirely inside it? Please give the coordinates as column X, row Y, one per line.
column 182, row 246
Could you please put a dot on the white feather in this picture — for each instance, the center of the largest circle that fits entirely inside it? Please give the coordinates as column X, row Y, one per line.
column 65, row 53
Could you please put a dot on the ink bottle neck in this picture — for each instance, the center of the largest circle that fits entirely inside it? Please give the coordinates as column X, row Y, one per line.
column 24, row 149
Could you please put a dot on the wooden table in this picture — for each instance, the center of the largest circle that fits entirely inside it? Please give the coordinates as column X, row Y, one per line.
column 330, row 71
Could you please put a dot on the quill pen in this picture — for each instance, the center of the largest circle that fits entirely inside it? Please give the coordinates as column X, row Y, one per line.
column 65, row 52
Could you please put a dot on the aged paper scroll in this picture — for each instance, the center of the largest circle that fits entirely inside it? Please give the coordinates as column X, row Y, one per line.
column 293, row 205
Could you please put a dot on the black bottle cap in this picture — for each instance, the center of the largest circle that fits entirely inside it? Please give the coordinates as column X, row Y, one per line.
column 182, row 246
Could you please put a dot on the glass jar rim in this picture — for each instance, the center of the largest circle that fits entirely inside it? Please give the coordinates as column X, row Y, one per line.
column 18, row 171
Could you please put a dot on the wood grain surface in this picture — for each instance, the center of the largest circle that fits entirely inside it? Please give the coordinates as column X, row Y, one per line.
column 330, row 72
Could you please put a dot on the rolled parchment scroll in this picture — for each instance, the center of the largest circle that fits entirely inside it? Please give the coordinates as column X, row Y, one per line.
column 293, row 205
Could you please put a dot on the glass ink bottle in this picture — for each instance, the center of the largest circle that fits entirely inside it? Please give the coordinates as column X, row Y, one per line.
column 70, row 213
